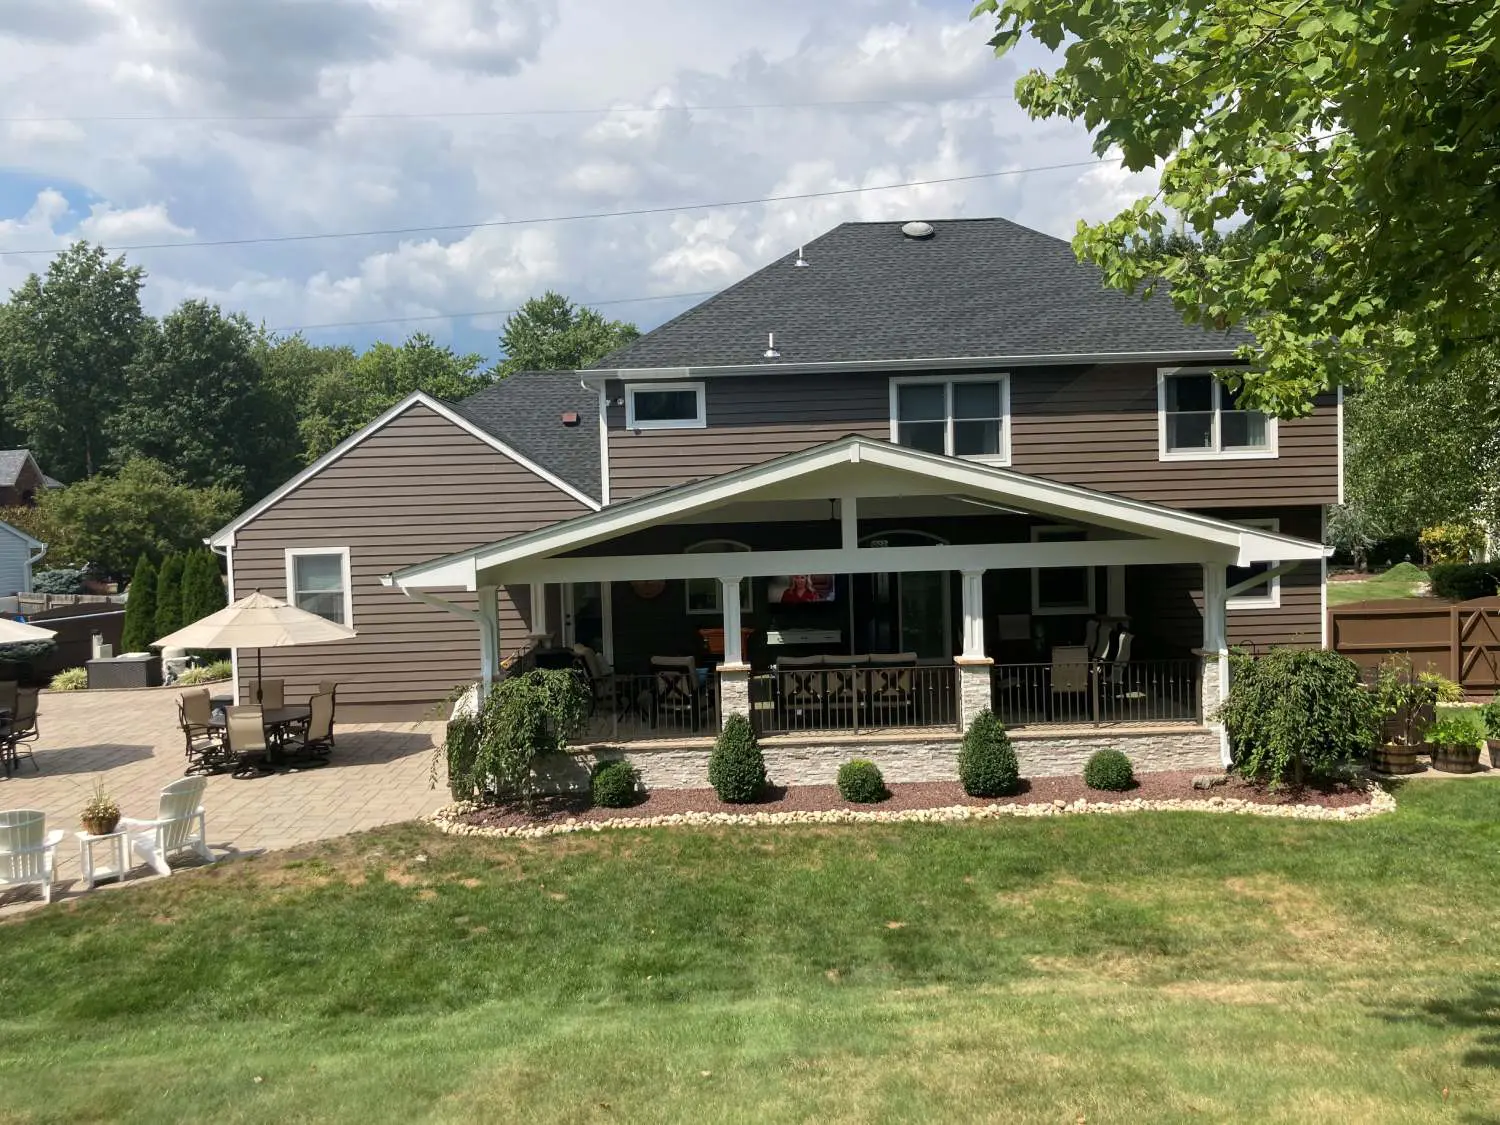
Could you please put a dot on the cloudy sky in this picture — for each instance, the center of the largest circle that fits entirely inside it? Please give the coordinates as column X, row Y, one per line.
column 133, row 122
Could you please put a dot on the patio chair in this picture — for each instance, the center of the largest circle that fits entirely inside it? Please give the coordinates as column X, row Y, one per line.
column 178, row 827
column 26, row 850
column 272, row 694
column 848, row 685
column 8, row 692
column 676, row 694
column 316, row 740
column 330, row 688
column 600, row 675
column 245, row 734
column 1117, row 683
column 1070, row 676
column 204, row 742
column 22, row 730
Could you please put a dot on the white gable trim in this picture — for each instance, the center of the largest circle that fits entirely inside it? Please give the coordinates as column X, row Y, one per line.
column 947, row 473
column 224, row 537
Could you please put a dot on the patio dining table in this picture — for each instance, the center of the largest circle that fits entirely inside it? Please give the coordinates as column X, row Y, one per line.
column 277, row 721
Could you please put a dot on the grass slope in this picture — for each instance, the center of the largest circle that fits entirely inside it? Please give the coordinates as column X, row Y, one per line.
column 1161, row 967
column 1400, row 581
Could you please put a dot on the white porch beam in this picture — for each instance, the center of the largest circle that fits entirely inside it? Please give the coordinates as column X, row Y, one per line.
column 730, row 601
column 863, row 560
column 973, row 604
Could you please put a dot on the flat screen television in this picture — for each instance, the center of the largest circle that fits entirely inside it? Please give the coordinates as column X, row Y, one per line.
column 802, row 589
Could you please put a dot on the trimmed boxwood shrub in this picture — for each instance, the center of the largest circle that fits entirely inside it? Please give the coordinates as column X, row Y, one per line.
column 860, row 781
column 737, row 769
column 615, row 784
column 987, row 764
column 1464, row 581
column 1109, row 770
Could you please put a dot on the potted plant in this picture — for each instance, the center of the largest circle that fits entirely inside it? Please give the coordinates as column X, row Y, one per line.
column 1489, row 715
column 1455, row 739
column 101, row 814
column 1408, row 705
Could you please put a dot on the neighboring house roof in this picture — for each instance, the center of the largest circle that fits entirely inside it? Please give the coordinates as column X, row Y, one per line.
column 953, row 476
column 526, row 410
column 225, row 535
column 12, row 463
column 51, row 482
column 977, row 288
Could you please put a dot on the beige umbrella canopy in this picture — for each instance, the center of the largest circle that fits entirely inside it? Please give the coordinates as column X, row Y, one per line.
column 256, row 622
column 18, row 632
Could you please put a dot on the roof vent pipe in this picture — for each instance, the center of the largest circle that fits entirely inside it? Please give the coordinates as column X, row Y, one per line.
column 918, row 230
column 771, row 352
column 801, row 263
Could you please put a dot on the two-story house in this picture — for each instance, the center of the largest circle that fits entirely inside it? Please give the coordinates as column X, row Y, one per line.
column 904, row 473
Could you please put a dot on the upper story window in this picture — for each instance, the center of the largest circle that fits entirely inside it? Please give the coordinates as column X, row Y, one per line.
column 1264, row 595
column 706, row 595
column 968, row 417
column 1200, row 419
column 317, row 580
column 664, row 406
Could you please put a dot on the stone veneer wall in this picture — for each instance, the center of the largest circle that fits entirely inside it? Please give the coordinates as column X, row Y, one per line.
column 811, row 762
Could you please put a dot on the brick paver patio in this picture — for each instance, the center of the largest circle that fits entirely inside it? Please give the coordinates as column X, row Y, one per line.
column 379, row 774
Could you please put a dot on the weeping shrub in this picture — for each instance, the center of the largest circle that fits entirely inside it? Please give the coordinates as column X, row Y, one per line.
column 523, row 718
column 987, row 764
column 737, row 768
column 1295, row 714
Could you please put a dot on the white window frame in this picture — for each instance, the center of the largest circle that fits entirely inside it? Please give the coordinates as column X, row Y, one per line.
column 1270, row 452
column 1039, row 535
column 696, row 423
column 747, row 599
column 1268, row 594
column 294, row 553
column 948, row 381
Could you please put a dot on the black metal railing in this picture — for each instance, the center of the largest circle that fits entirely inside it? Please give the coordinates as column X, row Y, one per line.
column 854, row 699
column 663, row 704
column 1096, row 692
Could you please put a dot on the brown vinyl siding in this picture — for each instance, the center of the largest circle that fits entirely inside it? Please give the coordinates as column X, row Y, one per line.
column 1091, row 425
column 419, row 488
column 1171, row 597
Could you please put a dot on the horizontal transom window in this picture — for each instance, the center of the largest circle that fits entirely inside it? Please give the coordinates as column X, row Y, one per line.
column 955, row 417
column 664, row 406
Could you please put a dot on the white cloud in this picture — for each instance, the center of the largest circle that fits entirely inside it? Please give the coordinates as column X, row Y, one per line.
column 112, row 224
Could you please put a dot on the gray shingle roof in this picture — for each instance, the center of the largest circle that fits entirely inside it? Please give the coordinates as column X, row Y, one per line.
column 12, row 461
column 525, row 411
column 978, row 287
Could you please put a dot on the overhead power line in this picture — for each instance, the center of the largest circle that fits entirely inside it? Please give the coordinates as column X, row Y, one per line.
column 424, row 115
column 579, row 217
column 485, row 312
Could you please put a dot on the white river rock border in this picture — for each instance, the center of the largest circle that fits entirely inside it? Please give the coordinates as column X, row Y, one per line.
column 446, row 819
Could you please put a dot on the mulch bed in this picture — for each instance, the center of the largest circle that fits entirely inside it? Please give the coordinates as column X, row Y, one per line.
column 914, row 795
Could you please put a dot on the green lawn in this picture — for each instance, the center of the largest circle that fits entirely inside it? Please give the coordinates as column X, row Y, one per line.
column 1158, row 967
column 1401, row 581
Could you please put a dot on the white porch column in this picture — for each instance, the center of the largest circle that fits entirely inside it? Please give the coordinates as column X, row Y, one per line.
column 1215, row 679
column 538, row 610
column 607, row 611
column 489, row 636
column 972, row 663
column 734, row 673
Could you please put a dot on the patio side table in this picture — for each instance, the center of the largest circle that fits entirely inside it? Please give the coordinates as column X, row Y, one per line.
column 119, row 855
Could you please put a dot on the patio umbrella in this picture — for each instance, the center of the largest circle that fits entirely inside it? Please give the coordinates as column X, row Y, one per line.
column 18, row 632
column 256, row 622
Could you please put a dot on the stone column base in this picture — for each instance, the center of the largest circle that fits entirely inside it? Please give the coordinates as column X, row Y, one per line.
column 734, row 691
column 974, row 693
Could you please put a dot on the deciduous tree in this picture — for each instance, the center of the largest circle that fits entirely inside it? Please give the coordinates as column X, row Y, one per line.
column 550, row 333
column 1349, row 149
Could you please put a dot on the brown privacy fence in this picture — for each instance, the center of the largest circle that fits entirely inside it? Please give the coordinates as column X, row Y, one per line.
column 75, row 626
column 1459, row 640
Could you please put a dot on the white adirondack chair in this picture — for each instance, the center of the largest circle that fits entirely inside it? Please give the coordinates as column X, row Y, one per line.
column 178, row 826
column 26, row 849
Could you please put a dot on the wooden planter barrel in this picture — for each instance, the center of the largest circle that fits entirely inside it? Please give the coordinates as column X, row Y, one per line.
column 1396, row 757
column 1493, row 745
column 1456, row 759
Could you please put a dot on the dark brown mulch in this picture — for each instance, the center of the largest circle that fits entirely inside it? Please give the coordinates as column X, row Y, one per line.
column 914, row 795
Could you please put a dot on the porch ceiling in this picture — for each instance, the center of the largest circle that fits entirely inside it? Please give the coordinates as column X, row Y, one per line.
column 1129, row 531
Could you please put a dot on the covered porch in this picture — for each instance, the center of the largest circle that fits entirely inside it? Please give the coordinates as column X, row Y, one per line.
column 866, row 589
